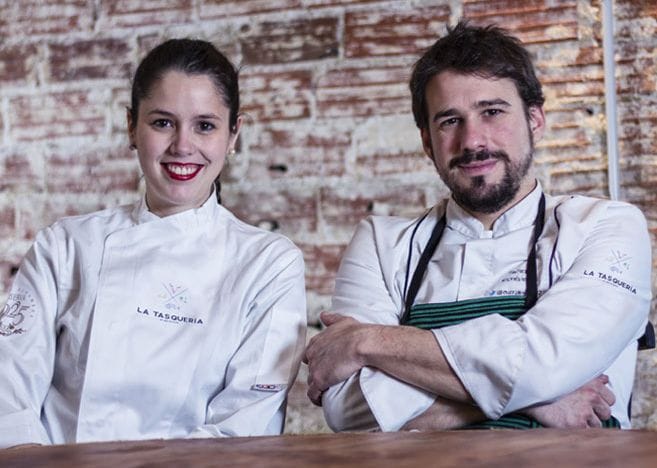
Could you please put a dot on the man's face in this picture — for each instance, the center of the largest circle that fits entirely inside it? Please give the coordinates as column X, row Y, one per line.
column 480, row 139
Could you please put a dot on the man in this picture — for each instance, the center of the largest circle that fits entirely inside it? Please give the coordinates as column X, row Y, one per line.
column 501, row 305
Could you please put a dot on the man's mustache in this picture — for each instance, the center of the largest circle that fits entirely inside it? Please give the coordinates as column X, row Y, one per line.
column 469, row 156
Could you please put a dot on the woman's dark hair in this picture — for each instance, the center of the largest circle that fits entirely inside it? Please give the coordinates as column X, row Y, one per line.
column 486, row 51
column 193, row 57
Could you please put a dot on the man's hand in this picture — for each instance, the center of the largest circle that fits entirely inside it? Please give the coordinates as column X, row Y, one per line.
column 587, row 406
column 333, row 354
column 445, row 414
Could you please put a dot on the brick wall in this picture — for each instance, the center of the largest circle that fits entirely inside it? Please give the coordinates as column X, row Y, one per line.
column 329, row 137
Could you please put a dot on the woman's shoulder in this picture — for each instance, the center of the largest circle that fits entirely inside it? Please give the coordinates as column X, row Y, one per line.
column 101, row 221
column 244, row 234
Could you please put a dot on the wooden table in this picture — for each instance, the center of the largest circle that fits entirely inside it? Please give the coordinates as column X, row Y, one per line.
column 503, row 448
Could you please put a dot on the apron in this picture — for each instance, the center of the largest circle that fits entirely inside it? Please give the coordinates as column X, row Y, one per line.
column 438, row 315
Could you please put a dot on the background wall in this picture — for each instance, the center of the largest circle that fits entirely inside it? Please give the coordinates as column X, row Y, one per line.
column 330, row 137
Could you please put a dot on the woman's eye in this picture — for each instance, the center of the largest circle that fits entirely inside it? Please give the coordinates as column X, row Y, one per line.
column 206, row 126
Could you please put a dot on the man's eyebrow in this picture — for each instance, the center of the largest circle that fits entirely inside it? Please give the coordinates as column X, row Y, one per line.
column 477, row 105
column 491, row 102
column 444, row 113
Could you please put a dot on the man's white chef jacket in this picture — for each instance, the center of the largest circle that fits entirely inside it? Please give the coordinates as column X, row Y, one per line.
column 124, row 325
column 594, row 264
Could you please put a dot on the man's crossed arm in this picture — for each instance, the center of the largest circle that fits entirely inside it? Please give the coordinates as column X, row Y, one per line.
column 414, row 356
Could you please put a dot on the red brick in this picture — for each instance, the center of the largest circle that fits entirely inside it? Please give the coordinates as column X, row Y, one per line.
column 17, row 173
column 590, row 56
column 64, row 114
column 299, row 152
column 328, row 3
column 322, row 263
column 273, row 96
column 590, row 181
column 397, row 162
column 92, row 59
column 127, row 13
column 27, row 18
column 288, row 211
column 290, row 41
column 7, row 221
column 532, row 21
column 634, row 9
column 637, row 129
column 386, row 33
column 343, row 207
column 364, row 91
column 36, row 213
column 209, row 9
column 592, row 89
column 18, row 64
column 95, row 171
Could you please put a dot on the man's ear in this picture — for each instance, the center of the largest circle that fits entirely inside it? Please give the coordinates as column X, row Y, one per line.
column 537, row 122
column 426, row 142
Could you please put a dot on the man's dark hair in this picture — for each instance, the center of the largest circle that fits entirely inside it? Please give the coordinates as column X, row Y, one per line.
column 486, row 51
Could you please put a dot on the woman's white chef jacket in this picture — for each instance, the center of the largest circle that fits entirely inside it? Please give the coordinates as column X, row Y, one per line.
column 595, row 254
column 124, row 325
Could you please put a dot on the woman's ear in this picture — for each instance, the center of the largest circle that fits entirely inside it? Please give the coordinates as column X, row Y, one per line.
column 131, row 127
column 235, row 132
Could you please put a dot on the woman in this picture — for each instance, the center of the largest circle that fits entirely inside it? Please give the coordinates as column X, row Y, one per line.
column 166, row 319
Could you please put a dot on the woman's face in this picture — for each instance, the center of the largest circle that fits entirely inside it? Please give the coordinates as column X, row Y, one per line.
column 182, row 135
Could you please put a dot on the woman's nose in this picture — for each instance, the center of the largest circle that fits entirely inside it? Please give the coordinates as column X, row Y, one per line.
column 182, row 144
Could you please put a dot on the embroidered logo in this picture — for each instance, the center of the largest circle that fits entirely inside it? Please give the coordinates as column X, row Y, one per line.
column 173, row 297
column 17, row 313
column 619, row 262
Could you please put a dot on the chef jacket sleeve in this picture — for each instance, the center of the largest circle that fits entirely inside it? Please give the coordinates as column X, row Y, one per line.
column 265, row 365
column 370, row 399
column 27, row 344
column 589, row 317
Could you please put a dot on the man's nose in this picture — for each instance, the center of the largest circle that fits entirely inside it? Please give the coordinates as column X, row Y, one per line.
column 473, row 136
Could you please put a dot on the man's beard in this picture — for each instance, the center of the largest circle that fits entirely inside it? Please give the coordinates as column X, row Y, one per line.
column 480, row 197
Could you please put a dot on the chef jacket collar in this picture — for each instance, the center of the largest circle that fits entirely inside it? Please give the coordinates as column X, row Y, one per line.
column 141, row 214
column 520, row 216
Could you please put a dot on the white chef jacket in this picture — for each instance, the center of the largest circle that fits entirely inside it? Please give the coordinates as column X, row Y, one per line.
column 594, row 264
column 124, row 325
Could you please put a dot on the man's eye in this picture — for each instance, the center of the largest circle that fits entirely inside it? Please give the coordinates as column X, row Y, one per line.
column 162, row 123
column 449, row 122
column 491, row 112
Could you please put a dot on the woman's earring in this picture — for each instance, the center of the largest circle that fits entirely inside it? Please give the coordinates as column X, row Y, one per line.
column 231, row 152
